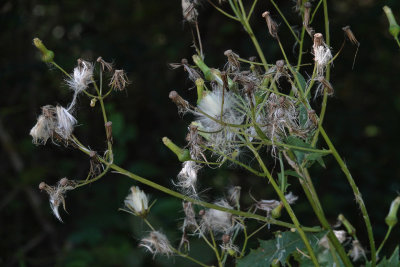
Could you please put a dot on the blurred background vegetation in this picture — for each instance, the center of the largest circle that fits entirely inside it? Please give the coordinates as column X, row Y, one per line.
column 143, row 37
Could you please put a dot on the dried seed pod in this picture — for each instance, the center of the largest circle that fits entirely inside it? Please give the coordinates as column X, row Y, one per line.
column 271, row 24
column 349, row 33
column 189, row 10
column 182, row 104
column 279, row 65
column 104, row 64
column 108, row 126
column 233, row 60
column 307, row 14
column 327, row 85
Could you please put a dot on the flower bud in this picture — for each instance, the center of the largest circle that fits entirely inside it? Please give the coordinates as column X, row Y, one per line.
column 391, row 218
column 183, row 154
column 350, row 228
column 276, row 212
column 394, row 28
column 93, row 102
column 47, row 55
column 200, row 89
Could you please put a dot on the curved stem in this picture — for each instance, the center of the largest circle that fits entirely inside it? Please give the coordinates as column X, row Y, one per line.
column 384, row 240
column 356, row 192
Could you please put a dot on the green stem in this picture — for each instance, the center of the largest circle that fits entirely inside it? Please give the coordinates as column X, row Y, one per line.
column 287, row 206
column 194, row 201
column 285, row 20
column 384, row 240
column 356, row 192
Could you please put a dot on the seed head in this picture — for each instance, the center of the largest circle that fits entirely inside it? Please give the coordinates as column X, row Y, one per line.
column 119, row 80
column 349, row 33
column 322, row 53
column 182, row 104
column 189, row 10
column 233, row 60
column 105, row 65
column 137, row 202
column 189, row 222
column 81, row 77
column 307, row 14
column 57, row 194
column 271, row 24
column 157, row 243
column 357, row 252
column 217, row 221
column 187, row 177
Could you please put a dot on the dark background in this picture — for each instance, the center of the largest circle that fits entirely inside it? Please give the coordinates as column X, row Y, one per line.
column 143, row 37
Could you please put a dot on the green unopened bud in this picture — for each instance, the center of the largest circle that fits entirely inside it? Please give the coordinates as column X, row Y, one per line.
column 276, row 212
column 350, row 228
column 47, row 55
column 200, row 89
column 183, row 154
column 203, row 67
column 394, row 28
column 391, row 218
column 210, row 74
column 275, row 263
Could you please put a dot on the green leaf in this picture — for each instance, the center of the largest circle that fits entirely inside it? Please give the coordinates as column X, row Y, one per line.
column 303, row 115
column 295, row 141
column 316, row 157
column 280, row 248
column 394, row 260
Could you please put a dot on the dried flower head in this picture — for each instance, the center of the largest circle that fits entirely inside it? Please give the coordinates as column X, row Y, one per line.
column 357, row 252
column 81, row 77
column 53, row 121
column 340, row 235
column 182, row 104
column 307, row 14
column 119, row 80
column 322, row 53
column 323, row 85
column 349, row 33
column 234, row 195
column 57, row 194
column 193, row 73
column 105, row 65
column 189, row 222
column 189, row 10
column 157, row 243
column 215, row 111
column 271, row 24
column 233, row 60
column 187, row 177
column 217, row 221
column 137, row 201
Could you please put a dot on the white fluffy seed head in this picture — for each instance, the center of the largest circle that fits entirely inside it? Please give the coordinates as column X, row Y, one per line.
column 322, row 56
column 42, row 131
column 357, row 252
column 216, row 220
column 219, row 106
column 157, row 243
column 187, row 177
column 53, row 120
column 137, row 201
column 65, row 122
column 81, row 77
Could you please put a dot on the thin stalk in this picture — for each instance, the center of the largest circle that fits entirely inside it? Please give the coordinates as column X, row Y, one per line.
column 252, row 9
column 356, row 192
column 287, row 207
column 222, row 11
column 303, row 30
column 189, row 199
column 384, row 240
column 285, row 20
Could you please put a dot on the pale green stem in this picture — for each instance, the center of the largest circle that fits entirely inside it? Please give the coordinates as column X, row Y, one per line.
column 356, row 192
column 287, row 206
column 384, row 240
column 285, row 20
column 192, row 200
